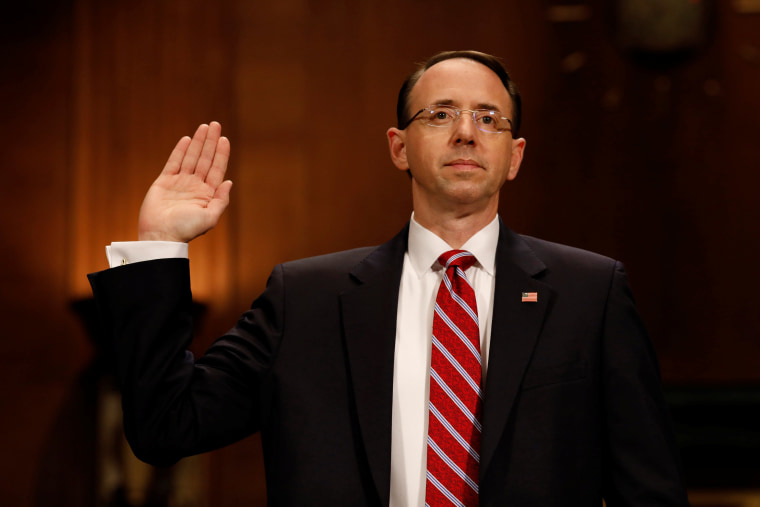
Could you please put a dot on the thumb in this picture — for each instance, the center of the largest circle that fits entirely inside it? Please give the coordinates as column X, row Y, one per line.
column 220, row 201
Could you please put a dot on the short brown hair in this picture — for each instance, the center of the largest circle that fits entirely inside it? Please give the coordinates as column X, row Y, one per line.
column 402, row 105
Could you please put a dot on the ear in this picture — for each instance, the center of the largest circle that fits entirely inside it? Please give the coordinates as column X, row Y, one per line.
column 518, row 147
column 397, row 146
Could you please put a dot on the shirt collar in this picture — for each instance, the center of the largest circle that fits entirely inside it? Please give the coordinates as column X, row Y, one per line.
column 425, row 247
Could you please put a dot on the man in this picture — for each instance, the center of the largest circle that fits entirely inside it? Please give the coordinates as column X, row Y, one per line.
column 388, row 375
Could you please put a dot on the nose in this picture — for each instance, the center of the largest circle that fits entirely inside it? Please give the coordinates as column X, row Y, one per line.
column 464, row 131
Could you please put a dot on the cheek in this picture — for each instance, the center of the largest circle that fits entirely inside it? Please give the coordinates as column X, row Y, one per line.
column 501, row 170
column 504, row 159
column 420, row 157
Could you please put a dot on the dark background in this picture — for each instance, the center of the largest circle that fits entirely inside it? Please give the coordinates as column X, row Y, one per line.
column 635, row 149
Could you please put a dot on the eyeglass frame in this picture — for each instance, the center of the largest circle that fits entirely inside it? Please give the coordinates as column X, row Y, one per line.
column 458, row 112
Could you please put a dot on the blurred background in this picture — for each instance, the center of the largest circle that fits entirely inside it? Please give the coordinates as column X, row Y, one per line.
column 642, row 120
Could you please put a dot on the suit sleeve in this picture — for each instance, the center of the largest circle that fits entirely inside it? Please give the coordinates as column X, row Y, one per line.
column 644, row 466
column 175, row 406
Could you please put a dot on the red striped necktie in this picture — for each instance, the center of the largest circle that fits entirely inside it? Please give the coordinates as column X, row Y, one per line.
column 453, row 453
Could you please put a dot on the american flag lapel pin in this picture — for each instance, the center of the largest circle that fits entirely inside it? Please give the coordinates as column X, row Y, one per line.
column 529, row 297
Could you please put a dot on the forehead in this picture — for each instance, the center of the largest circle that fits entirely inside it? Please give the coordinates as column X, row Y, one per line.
column 462, row 82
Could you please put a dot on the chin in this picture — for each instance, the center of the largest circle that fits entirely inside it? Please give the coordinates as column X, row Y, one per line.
column 467, row 198
column 467, row 190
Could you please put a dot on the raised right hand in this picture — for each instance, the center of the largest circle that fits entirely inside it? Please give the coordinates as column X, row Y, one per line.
column 190, row 194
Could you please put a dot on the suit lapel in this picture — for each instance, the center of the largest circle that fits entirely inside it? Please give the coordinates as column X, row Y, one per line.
column 369, row 325
column 514, row 331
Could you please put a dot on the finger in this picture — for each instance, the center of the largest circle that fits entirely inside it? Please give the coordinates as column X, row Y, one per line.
column 209, row 147
column 175, row 159
column 219, row 167
column 194, row 150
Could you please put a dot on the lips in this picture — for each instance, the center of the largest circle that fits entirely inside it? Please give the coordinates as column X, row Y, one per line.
column 463, row 163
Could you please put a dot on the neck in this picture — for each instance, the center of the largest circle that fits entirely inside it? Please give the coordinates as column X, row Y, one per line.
column 455, row 227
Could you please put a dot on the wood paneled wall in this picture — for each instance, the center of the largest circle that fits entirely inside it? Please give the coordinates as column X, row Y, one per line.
column 657, row 167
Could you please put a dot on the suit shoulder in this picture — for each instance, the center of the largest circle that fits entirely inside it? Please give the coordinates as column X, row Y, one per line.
column 332, row 263
column 557, row 255
column 576, row 271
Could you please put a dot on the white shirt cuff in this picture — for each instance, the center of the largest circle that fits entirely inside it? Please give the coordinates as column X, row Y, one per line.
column 120, row 253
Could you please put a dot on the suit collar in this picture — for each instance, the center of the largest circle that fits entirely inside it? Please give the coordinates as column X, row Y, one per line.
column 385, row 259
column 512, row 249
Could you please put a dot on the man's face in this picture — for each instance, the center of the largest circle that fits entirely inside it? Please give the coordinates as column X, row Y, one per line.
column 457, row 167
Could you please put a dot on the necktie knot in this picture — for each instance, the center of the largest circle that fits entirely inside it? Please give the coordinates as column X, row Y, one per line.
column 457, row 258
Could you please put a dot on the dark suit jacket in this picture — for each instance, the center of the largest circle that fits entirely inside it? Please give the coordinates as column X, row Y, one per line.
column 573, row 409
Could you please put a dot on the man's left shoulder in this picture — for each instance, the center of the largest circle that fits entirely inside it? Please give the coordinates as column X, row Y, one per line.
column 576, row 272
column 557, row 256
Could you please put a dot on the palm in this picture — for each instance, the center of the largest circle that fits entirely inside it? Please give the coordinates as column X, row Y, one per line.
column 190, row 194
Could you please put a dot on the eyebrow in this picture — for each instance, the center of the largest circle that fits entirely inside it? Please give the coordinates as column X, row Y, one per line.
column 482, row 105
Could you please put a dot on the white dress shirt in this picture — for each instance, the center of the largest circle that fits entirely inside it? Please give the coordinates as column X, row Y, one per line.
column 420, row 278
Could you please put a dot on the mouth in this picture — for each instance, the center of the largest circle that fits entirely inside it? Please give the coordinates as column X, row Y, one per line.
column 463, row 164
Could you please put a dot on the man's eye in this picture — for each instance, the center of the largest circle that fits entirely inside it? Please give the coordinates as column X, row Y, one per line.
column 440, row 116
column 487, row 120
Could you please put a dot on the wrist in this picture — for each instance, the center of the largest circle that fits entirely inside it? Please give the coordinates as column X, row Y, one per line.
column 157, row 236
